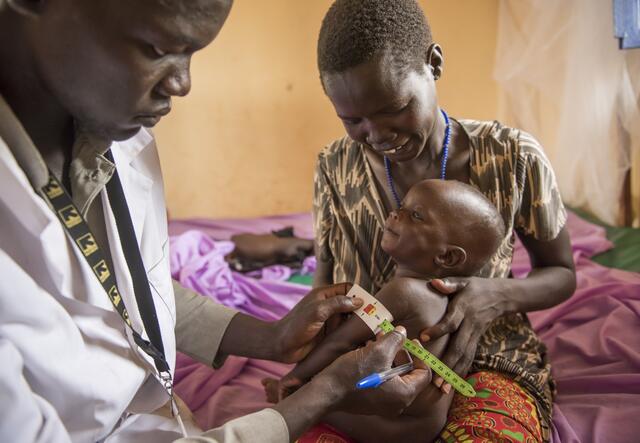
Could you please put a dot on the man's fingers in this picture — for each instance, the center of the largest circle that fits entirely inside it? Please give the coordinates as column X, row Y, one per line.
column 418, row 379
column 392, row 342
column 401, row 358
column 334, row 290
column 338, row 304
column 448, row 286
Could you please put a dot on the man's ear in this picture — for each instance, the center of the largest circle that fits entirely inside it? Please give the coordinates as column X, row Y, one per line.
column 435, row 60
column 452, row 257
column 28, row 8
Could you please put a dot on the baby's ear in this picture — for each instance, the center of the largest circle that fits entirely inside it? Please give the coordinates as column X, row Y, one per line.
column 453, row 257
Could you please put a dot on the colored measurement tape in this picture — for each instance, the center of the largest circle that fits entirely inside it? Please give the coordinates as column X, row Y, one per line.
column 458, row 383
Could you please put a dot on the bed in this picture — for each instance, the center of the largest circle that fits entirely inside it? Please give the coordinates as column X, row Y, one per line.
column 593, row 338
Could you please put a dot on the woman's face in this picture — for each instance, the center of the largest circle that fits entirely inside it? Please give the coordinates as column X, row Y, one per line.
column 390, row 112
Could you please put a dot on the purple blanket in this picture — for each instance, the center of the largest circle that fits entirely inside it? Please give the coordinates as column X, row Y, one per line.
column 197, row 261
column 593, row 338
column 594, row 345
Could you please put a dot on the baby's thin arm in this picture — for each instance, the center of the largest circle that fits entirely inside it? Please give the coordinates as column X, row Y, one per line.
column 349, row 335
column 417, row 307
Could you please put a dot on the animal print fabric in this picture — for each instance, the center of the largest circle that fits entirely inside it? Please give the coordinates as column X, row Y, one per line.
column 509, row 167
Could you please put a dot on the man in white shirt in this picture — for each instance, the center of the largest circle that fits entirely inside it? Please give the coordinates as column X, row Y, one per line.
column 79, row 81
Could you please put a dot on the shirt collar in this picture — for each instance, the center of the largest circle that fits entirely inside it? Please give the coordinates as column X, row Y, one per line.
column 85, row 147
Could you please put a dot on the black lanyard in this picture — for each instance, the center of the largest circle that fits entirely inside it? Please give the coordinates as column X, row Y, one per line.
column 78, row 229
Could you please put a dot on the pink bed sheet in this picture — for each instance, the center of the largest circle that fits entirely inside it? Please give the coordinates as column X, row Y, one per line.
column 593, row 338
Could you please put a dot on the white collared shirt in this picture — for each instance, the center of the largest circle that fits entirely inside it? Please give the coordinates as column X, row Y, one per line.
column 69, row 370
column 58, row 329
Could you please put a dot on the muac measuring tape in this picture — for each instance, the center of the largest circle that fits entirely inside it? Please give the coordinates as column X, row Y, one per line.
column 457, row 382
column 377, row 318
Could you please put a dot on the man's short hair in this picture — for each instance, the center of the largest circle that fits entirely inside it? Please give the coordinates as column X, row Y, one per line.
column 356, row 31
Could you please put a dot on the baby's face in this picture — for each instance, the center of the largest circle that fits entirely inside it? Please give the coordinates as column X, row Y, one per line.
column 413, row 234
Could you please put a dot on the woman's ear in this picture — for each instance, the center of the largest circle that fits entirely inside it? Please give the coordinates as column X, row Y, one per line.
column 27, row 8
column 453, row 256
column 435, row 60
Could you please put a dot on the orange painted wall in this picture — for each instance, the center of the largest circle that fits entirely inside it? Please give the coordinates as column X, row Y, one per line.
column 244, row 142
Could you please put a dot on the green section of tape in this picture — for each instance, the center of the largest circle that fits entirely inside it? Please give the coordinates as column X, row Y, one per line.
column 457, row 382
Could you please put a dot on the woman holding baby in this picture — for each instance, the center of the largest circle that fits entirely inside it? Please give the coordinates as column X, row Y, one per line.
column 379, row 66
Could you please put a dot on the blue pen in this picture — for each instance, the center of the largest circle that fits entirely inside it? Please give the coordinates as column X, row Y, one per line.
column 376, row 379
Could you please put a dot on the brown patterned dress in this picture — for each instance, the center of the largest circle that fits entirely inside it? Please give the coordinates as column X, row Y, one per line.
column 509, row 167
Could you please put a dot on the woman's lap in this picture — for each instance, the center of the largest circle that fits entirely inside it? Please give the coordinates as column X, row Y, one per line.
column 501, row 412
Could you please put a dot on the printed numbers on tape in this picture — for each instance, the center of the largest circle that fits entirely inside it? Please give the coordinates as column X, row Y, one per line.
column 457, row 382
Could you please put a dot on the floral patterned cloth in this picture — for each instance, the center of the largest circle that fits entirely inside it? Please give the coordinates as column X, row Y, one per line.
column 500, row 412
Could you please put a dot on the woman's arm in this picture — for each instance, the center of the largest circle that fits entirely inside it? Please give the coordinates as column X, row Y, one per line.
column 552, row 279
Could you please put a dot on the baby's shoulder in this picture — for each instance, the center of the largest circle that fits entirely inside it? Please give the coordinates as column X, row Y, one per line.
column 404, row 294
column 410, row 286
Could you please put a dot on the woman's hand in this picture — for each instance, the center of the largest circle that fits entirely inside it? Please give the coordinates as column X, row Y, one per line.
column 307, row 323
column 474, row 303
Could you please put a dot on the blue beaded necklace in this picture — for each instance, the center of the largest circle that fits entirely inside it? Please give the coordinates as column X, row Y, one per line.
column 443, row 162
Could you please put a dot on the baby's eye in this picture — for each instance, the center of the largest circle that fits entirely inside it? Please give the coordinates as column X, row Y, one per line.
column 416, row 215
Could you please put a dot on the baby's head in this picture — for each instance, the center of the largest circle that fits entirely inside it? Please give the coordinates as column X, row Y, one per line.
column 444, row 228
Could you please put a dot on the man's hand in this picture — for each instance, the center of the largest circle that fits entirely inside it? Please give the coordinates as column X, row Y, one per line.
column 334, row 387
column 289, row 339
column 391, row 397
column 306, row 324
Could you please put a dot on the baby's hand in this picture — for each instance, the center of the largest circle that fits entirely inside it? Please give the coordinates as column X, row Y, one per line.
column 277, row 390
